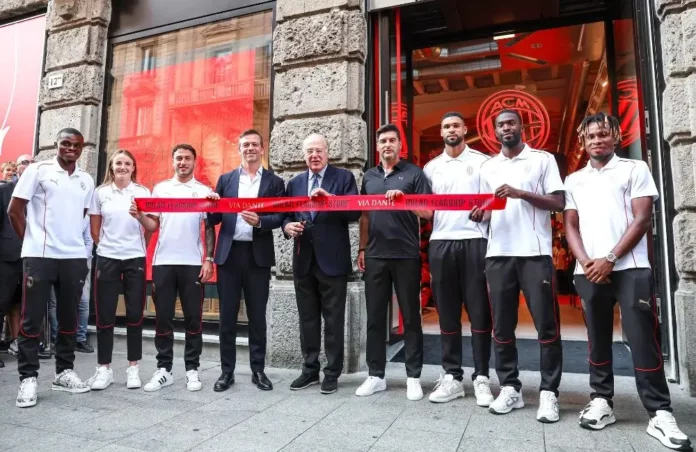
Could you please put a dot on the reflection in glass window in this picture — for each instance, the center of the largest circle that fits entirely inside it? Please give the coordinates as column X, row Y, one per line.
column 203, row 86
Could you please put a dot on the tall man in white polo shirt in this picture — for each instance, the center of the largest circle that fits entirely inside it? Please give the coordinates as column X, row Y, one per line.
column 608, row 215
column 48, row 208
column 457, row 258
column 519, row 257
column 179, row 267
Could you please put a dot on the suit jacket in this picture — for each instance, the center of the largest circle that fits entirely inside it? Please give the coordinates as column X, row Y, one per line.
column 271, row 186
column 326, row 238
column 10, row 243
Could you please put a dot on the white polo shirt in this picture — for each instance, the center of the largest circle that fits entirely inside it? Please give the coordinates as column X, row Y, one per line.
column 461, row 175
column 180, row 236
column 121, row 236
column 521, row 229
column 55, row 210
column 603, row 201
column 243, row 231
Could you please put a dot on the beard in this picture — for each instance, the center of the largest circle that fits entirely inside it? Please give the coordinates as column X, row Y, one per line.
column 455, row 141
column 512, row 142
column 602, row 158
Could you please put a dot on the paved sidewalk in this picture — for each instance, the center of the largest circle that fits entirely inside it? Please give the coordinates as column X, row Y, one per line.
column 246, row 419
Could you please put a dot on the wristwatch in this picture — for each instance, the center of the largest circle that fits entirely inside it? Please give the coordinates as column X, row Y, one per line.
column 611, row 258
column 209, row 259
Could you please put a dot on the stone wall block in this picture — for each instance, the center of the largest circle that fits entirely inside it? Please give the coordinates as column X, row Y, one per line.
column 84, row 118
column 12, row 8
column 88, row 160
column 77, row 13
column 676, row 110
column 283, row 254
column 672, row 34
column 306, row 37
column 81, row 84
column 346, row 135
column 287, row 9
column 688, row 23
column 326, row 88
column 685, row 316
column 685, row 243
column 684, row 176
column 357, row 33
column 76, row 46
column 337, row 33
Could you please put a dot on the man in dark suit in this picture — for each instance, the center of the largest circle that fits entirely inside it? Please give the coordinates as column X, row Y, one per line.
column 321, row 264
column 244, row 257
column 10, row 257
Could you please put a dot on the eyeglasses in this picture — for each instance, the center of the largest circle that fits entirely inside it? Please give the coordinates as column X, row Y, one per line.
column 27, row 162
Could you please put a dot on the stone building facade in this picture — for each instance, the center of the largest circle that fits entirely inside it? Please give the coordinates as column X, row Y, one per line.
column 319, row 62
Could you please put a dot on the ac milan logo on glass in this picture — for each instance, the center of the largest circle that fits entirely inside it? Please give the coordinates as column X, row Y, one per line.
column 535, row 118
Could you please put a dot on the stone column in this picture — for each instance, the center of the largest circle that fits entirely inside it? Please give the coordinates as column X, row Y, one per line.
column 319, row 52
column 678, row 38
column 75, row 50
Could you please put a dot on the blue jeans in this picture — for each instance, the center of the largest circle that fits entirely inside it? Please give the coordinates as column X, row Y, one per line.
column 83, row 310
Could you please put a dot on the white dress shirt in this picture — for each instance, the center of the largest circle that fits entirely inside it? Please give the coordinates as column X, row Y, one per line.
column 248, row 188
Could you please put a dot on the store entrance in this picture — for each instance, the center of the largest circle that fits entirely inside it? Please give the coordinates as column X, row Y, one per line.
column 554, row 72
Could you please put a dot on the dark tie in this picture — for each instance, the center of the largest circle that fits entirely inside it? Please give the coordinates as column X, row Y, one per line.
column 315, row 184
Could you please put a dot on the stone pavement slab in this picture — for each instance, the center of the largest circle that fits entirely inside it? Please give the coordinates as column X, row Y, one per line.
column 246, row 419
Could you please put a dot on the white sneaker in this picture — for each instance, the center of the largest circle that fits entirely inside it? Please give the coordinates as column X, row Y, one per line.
column 548, row 407
column 160, row 379
column 414, row 391
column 446, row 389
column 507, row 400
column 482, row 391
column 133, row 377
column 102, row 379
column 193, row 383
column 14, row 348
column 26, row 396
column 597, row 415
column 370, row 386
column 664, row 428
column 68, row 381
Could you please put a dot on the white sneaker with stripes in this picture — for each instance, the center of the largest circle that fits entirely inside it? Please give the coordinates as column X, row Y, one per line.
column 160, row 379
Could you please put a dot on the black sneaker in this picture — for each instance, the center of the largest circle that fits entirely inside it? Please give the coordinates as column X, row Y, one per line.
column 84, row 347
column 2, row 364
column 4, row 346
column 304, row 381
column 329, row 385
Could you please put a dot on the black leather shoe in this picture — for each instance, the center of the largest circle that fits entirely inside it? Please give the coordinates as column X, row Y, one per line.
column 224, row 382
column 329, row 385
column 304, row 381
column 261, row 381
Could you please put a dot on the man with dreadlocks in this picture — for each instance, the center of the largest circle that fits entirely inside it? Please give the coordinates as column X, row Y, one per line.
column 607, row 216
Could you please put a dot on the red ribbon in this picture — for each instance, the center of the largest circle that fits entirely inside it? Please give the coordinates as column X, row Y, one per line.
column 322, row 203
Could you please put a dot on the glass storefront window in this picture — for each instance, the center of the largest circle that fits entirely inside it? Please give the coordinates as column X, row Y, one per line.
column 202, row 86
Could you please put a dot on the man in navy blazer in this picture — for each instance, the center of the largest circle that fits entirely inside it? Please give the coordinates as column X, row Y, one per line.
column 321, row 262
column 244, row 257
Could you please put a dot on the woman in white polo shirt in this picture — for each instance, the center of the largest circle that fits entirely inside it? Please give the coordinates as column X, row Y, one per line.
column 120, row 268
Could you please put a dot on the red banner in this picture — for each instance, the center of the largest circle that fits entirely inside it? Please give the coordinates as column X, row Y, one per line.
column 322, row 204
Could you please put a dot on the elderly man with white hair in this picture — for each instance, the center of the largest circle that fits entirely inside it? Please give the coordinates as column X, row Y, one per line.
column 321, row 262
